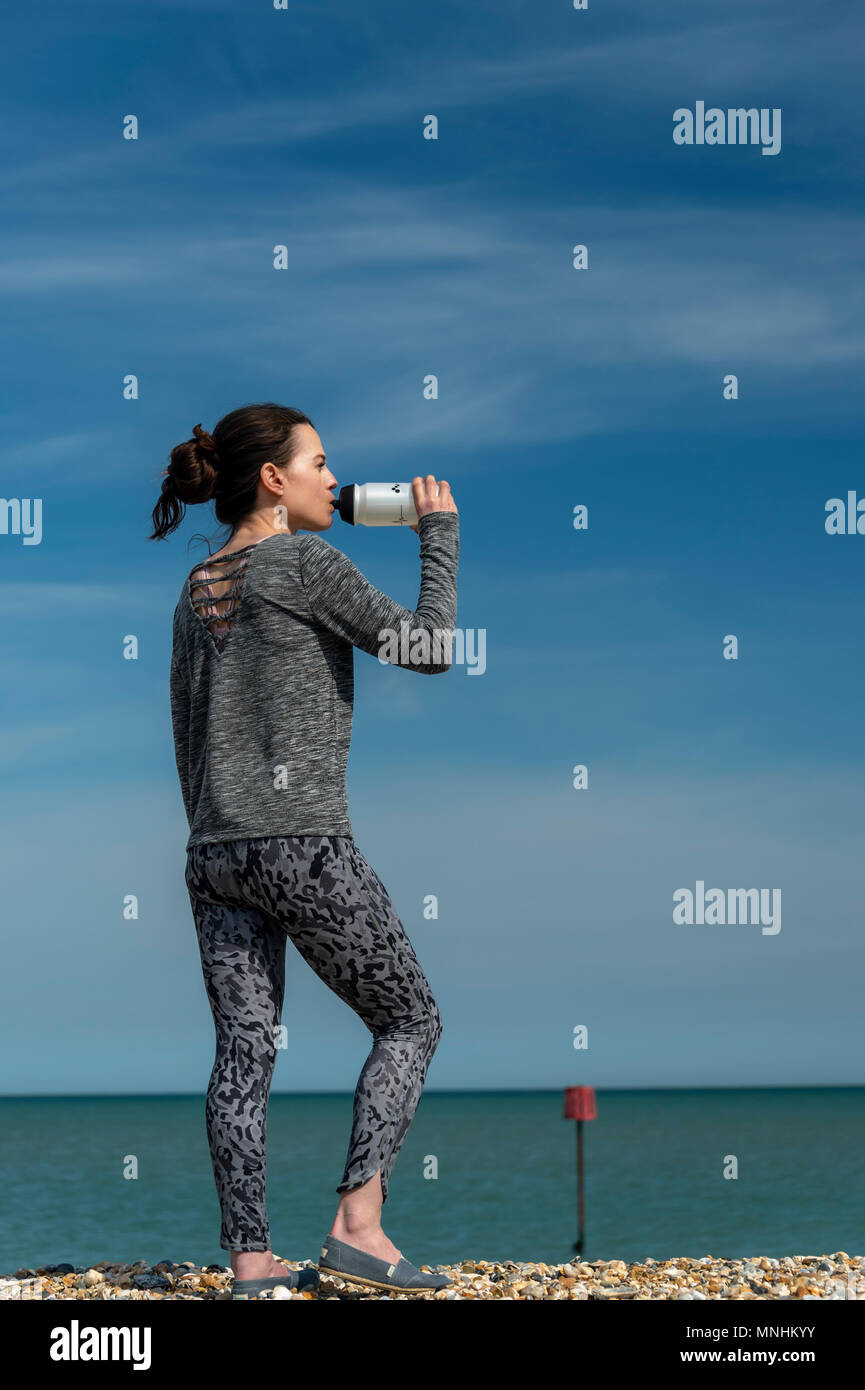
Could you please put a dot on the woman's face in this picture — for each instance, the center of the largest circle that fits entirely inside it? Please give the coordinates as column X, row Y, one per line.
column 308, row 484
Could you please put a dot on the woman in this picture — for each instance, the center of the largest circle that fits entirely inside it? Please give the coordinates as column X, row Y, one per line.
column 261, row 689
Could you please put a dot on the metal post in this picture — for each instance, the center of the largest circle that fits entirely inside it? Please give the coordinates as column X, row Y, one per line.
column 581, row 1209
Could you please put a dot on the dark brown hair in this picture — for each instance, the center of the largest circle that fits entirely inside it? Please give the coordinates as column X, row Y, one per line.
column 225, row 466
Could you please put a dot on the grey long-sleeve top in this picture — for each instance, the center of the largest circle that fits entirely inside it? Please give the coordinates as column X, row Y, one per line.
column 262, row 727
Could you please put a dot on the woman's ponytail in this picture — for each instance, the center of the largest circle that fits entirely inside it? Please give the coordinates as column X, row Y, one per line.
column 190, row 477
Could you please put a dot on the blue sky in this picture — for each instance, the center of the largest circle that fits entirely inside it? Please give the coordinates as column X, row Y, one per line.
column 557, row 387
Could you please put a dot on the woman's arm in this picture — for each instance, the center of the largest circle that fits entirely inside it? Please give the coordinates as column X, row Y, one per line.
column 345, row 602
column 180, row 712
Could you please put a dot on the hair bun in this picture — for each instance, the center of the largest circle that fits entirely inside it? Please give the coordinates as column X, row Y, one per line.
column 193, row 473
column 205, row 440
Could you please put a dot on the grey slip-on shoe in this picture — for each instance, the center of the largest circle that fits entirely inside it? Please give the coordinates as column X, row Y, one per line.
column 356, row 1266
column 296, row 1279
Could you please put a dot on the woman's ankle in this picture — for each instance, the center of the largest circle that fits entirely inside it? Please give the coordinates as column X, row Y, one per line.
column 345, row 1227
column 251, row 1264
column 358, row 1215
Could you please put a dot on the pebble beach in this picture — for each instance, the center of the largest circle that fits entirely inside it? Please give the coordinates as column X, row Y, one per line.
column 838, row 1276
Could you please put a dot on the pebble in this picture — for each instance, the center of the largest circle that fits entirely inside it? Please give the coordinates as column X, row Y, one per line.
column 790, row 1277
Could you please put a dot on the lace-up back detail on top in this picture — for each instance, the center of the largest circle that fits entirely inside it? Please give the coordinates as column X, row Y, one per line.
column 214, row 592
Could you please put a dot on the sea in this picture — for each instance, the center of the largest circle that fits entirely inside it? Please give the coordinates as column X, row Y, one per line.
column 488, row 1175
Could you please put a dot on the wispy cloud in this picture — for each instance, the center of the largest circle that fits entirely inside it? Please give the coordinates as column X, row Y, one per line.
column 629, row 68
column 432, row 262
column 53, row 450
column 45, row 600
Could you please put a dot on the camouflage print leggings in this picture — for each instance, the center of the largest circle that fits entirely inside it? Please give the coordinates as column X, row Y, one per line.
column 248, row 897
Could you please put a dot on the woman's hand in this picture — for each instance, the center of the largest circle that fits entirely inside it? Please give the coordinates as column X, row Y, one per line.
column 426, row 500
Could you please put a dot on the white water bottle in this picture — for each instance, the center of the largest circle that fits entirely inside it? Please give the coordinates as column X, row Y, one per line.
column 377, row 504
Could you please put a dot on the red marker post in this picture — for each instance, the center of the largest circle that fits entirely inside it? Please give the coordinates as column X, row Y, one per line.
column 580, row 1105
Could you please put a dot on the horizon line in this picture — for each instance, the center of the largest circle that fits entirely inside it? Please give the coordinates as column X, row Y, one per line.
column 444, row 1091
